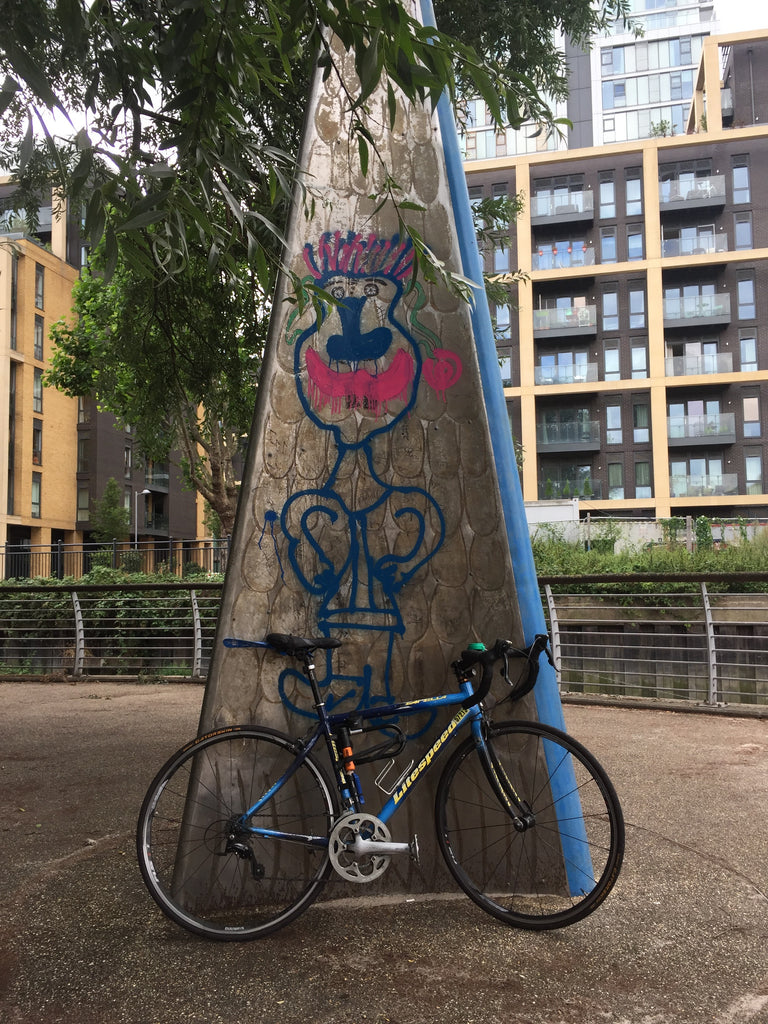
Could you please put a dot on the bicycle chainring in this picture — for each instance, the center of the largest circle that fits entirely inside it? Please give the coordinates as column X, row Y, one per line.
column 351, row 865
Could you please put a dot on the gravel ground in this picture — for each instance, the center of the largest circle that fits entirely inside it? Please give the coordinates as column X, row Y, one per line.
column 682, row 939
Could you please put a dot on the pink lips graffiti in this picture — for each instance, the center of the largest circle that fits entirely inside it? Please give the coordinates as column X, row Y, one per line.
column 358, row 389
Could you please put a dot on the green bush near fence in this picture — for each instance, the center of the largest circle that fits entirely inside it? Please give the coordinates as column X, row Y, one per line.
column 127, row 629
column 555, row 556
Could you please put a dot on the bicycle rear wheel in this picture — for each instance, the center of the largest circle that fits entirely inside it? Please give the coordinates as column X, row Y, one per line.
column 560, row 868
column 207, row 872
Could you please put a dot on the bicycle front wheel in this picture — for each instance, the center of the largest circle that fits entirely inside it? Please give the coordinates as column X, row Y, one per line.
column 207, row 870
column 563, row 861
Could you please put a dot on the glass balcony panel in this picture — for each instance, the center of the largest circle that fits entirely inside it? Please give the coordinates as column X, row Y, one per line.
column 575, row 256
column 573, row 205
column 701, row 426
column 566, row 320
column 682, row 194
column 690, row 366
column 684, row 309
column 699, row 486
column 575, row 373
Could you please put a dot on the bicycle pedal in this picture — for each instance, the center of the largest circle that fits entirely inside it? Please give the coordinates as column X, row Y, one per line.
column 414, row 850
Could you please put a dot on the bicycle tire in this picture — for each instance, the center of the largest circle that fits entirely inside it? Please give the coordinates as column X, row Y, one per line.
column 557, row 871
column 193, row 870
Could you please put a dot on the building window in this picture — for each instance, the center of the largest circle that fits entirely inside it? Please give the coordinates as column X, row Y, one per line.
column 643, row 480
column 82, row 454
column 612, row 370
column 501, row 259
column 613, row 424
column 503, row 329
column 748, row 347
column 740, row 171
column 751, row 407
column 39, row 328
column 615, row 481
column 610, row 311
column 608, row 252
column 39, row 286
column 753, row 470
column 634, row 242
column 639, row 354
column 83, row 505
column 641, row 432
column 127, row 461
column 742, row 230
column 14, row 298
column 634, row 194
column 505, row 368
column 37, row 391
column 636, row 306
column 83, row 415
column 745, row 290
column 37, row 442
column 37, row 484
column 607, row 197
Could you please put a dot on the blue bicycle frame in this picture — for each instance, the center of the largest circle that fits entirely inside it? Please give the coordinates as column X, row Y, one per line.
column 325, row 729
column 575, row 849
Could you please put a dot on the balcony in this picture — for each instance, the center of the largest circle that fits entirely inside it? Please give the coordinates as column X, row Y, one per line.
column 566, row 209
column 701, row 430
column 687, row 194
column 703, row 486
column 157, row 479
column 567, row 322
column 691, row 366
column 155, row 523
column 582, row 436
column 548, row 490
column 562, row 259
column 697, row 310
column 566, row 373
column 696, row 245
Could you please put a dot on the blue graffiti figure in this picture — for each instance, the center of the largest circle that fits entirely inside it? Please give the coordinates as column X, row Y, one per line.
column 357, row 540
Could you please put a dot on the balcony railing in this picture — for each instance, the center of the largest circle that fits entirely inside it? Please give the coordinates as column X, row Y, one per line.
column 687, row 194
column 691, row 366
column 576, row 205
column 695, row 246
column 549, row 490
column 719, row 429
column 564, row 322
column 684, row 310
column 562, row 259
column 566, row 373
column 703, row 486
column 582, row 436
column 157, row 478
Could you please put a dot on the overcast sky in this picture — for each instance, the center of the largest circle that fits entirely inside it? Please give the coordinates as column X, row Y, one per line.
column 740, row 15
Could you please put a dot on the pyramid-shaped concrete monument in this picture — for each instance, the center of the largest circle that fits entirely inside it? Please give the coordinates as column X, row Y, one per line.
column 371, row 508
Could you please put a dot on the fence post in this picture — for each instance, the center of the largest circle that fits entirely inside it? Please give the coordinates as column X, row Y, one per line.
column 554, row 630
column 77, row 669
column 197, row 655
column 711, row 649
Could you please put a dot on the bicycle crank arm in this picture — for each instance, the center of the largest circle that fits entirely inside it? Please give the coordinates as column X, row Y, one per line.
column 378, row 848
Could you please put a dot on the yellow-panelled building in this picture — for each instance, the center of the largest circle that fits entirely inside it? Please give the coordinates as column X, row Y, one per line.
column 38, row 426
column 634, row 351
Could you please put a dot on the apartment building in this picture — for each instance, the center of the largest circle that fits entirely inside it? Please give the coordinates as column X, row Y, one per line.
column 635, row 353
column 57, row 453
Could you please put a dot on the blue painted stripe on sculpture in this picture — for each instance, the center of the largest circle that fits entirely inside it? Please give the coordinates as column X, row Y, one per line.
column 575, row 849
column 531, row 611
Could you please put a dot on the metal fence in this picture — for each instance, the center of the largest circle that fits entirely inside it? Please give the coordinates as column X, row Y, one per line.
column 180, row 558
column 165, row 630
column 694, row 640
column 703, row 640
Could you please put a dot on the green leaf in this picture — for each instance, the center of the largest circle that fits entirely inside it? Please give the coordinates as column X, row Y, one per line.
column 362, row 150
column 9, row 89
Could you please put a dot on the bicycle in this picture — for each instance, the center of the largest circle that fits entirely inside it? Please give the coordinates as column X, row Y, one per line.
column 241, row 828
